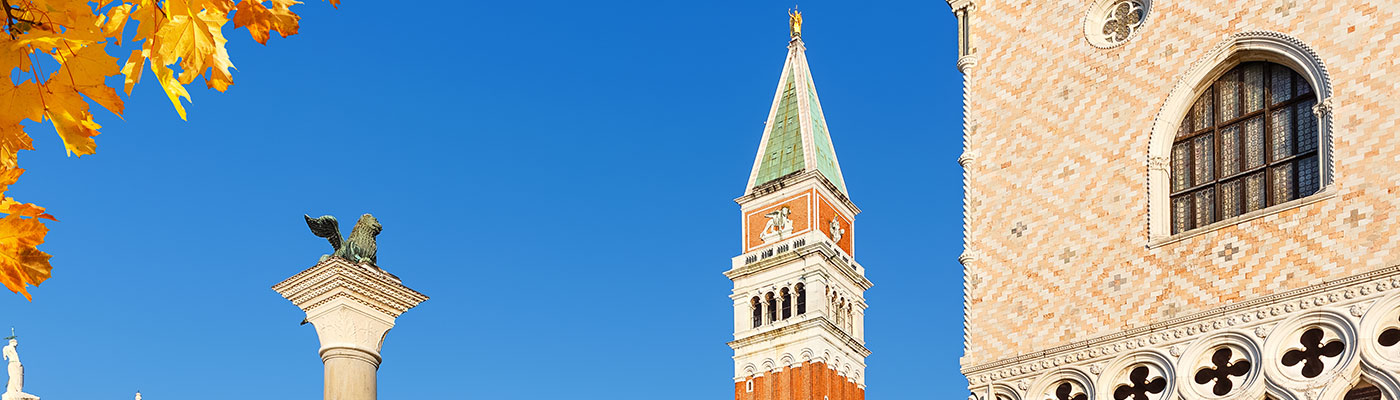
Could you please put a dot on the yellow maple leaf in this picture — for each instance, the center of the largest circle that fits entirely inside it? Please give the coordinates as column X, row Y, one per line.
column 261, row 20
column 21, row 262
column 173, row 89
column 13, row 55
column 193, row 34
column 68, row 112
column 132, row 69
column 115, row 21
column 86, row 70
column 17, row 103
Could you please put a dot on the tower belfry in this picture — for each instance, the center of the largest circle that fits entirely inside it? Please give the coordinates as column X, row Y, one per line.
column 798, row 294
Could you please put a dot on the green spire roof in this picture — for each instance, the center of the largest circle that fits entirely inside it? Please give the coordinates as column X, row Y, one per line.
column 795, row 139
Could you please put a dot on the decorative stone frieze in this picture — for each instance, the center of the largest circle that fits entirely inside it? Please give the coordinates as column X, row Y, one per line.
column 1304, row 343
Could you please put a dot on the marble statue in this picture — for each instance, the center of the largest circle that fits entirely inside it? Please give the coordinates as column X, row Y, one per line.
column 836, row 231
column 14, row 389
column 359, row 247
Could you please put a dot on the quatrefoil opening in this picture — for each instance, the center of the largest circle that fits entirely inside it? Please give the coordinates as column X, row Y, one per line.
column 1222, row 371
column 1066, row 391
column 1312, row 353
column 1139, row 386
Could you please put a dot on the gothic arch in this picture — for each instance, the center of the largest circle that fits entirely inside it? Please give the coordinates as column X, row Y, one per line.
column 1004, row 392
column 1339, row 374
column 1046, row 386
column 1241, row 47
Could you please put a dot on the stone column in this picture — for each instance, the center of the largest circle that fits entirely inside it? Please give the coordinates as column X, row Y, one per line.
column 352, row 306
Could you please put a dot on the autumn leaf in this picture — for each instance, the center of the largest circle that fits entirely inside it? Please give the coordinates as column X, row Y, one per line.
column 68, row 112
column 86, row 71
column 17, row 103
column 21, row 262
column 132, row 69
column 194, row 35
column 260, row 20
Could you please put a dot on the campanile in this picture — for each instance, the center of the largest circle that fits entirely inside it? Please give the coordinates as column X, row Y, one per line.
column 799, row 305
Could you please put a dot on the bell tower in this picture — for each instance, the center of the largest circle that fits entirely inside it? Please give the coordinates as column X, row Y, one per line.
column 799, row 305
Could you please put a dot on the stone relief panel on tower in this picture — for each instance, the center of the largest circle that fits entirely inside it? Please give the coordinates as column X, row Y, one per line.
column 784, row 219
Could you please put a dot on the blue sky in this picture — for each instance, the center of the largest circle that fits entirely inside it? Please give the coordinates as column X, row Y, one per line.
column 557, row 176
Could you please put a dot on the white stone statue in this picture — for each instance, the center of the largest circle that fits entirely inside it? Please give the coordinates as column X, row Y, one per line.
column 836, row 231
column 138, row 395
column 14, row 389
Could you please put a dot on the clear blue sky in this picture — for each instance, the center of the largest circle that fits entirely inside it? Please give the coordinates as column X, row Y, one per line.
column 557, row 176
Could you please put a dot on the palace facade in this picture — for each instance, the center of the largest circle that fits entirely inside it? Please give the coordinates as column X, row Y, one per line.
column 1181, row 199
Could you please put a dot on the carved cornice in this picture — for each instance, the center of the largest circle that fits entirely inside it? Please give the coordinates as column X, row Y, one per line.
column 795, row 179
column 812, row 323
column 1257, row 313
column 337, row 278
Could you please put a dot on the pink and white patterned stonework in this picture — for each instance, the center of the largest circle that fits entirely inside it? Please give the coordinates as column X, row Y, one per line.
column 1066, row 273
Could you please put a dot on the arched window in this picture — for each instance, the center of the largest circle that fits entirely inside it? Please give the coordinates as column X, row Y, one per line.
column 757, row 312
column 1249, row 141
column 801, row 299
column 772, row 307
column 787, row 303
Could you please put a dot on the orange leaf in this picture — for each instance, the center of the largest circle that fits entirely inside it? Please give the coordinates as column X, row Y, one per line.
column 21, row 262
column 260, row 20
column 10, row 206
column 12, row 140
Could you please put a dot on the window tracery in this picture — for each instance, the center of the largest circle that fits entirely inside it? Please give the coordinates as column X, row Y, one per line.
column 1111, row 23
column 1250, row 141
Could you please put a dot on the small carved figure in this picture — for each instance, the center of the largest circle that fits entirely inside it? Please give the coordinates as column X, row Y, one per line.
column 795, row 22
column 778, row 225
column 359, row 247
column 836, row 231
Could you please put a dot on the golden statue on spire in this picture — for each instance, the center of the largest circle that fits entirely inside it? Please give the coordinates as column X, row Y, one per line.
column 795, row 23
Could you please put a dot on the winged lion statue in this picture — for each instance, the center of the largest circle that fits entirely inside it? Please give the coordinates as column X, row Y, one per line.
column 359, row 247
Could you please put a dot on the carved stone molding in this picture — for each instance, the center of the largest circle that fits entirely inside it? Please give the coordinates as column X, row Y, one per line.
column 362, row 283
column 1260, row 331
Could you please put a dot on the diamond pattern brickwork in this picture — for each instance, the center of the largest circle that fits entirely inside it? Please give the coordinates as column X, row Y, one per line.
column 1090, row 250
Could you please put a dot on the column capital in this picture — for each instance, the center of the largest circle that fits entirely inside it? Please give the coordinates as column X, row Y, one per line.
column 362, row 283
column 352, row 305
